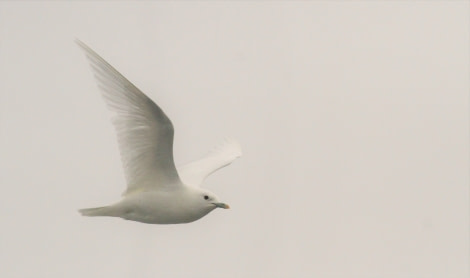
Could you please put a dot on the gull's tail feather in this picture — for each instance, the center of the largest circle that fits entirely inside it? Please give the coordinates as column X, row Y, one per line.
column 100, row 211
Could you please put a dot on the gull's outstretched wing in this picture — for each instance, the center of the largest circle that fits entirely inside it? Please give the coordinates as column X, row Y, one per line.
column 195, row 172
column 144, row 132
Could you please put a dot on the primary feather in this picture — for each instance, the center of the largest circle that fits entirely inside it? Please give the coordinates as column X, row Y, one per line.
column 145, row 133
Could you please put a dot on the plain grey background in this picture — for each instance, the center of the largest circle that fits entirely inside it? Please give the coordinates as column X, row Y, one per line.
column 353, row 118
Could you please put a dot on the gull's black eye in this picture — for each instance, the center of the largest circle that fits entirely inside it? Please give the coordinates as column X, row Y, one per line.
column 206, row 197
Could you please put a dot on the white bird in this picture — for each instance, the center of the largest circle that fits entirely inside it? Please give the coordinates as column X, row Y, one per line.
column 155, row 193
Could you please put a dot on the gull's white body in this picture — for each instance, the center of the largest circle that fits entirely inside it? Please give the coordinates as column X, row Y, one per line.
column 158, row 207
column 157, row 192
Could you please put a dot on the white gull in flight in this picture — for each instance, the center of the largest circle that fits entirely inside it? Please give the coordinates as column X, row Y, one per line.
column 157, row 193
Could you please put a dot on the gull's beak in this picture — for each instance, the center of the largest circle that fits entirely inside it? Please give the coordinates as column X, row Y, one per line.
column 221, row 205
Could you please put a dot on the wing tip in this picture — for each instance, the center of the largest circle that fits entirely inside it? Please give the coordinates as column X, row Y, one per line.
column 229, row 145
column 81, row 44
column 90, row 53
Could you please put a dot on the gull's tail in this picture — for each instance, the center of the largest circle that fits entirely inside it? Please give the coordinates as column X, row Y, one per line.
column 101, row 211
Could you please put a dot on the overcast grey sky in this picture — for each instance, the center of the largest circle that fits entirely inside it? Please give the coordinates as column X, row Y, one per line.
column 353, row 118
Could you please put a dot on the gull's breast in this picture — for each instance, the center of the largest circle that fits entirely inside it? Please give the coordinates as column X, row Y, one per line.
column 160, row 208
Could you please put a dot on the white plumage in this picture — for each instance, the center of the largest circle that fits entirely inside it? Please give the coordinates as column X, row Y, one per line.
column 194, row 173
column 155, row 192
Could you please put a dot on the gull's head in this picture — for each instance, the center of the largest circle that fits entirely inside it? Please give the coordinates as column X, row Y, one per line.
column 209, row 199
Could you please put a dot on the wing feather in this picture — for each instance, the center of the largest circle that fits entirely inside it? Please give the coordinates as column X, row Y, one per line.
column 144, row 132
column 194, row 173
